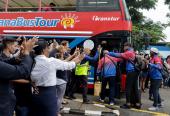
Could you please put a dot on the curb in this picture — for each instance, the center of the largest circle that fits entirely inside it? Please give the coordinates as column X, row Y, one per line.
column 89, row 112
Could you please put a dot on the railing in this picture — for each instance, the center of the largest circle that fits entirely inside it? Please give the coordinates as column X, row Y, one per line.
column 35, row 9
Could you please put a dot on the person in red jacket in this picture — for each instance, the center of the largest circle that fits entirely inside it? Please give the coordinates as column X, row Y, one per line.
column 132, row 81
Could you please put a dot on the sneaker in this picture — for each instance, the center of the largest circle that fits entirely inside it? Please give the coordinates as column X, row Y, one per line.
column 160, row 105
column 125, row 106
column 72, row 97
column 111, row 103
column 102, row 101
column 86, row 101
column 153, row 108
column 59, row 114
column 64, row 102
column 138, row 106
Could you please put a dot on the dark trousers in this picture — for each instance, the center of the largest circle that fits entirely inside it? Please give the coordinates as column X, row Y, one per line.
column 45, row 103
column 23, row 99
column 132, row 85
column 155, row 85
column 76, row 82
column 7, row 102
column 70, row 79
column 111, row 81
column 150, row 93
column 22, row 111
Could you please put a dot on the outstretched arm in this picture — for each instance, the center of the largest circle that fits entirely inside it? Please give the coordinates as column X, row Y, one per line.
column 12, row 72
column 92, row 59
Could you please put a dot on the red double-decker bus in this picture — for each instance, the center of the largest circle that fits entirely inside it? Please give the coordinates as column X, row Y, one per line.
column 72, row 20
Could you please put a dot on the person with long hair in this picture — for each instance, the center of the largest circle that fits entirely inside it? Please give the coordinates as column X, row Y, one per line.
column 144, row 73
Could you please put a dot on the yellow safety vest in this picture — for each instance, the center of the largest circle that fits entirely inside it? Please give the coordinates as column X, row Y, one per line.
column 82, row 69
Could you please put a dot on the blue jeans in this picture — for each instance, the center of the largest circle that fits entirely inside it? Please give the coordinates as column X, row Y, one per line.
column 111, row 81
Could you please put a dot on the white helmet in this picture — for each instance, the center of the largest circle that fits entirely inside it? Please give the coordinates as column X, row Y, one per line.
column 155, row 50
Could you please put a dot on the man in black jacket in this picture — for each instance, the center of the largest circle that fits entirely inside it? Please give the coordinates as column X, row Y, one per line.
column 12, row 72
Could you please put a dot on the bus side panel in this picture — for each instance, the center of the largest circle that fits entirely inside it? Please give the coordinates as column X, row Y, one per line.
column 86, row 23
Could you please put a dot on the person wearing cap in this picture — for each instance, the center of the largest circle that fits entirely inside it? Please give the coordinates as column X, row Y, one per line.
column 155, row 75
column 81, row 74
column 10, row 72
column 132, row 81
column 43, row 75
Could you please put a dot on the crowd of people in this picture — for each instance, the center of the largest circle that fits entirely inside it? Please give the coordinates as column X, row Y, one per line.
column 35, row 75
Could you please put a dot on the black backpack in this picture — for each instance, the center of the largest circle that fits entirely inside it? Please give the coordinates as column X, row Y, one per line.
column 164, row 71
column 138, row 63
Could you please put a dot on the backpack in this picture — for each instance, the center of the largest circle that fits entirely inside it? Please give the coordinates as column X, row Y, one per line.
column 138, row 63
column 164, row 71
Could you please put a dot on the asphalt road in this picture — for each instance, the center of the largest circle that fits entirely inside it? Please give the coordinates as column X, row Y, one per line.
column 96, row 106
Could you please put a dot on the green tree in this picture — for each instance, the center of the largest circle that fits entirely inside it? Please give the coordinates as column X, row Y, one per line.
column 168, row 15
column 167, row 2
column 144, row 30
column 147, row 32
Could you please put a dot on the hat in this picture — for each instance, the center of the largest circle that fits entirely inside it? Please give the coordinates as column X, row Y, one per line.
column 155, row 50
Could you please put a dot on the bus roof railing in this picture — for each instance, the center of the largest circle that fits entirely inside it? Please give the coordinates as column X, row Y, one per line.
column 8, row 4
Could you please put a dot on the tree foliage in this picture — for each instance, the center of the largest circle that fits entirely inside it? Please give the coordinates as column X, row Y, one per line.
column 168, row 14
column 144, row 30
column 147, row 32
column 167, row 2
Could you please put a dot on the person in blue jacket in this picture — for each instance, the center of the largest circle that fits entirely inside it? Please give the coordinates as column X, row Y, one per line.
column 155, row 75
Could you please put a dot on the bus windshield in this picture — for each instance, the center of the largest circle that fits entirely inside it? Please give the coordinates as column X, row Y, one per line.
column 58, row 5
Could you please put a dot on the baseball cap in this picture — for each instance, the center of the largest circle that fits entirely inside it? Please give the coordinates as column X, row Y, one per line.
column 155, row 50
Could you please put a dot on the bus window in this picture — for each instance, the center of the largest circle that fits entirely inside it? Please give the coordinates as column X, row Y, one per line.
column 98, row 5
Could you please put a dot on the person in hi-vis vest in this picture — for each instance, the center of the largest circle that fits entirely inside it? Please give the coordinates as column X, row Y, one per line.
column 81, row 74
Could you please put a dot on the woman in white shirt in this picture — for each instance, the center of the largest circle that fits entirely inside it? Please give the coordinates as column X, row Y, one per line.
column 43, row 76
